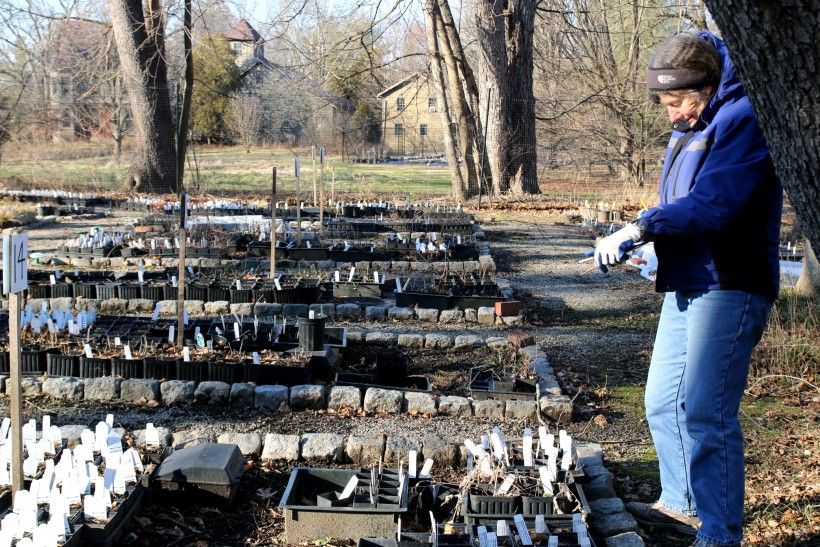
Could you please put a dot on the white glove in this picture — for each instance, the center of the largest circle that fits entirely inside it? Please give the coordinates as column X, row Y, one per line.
column 611, row 250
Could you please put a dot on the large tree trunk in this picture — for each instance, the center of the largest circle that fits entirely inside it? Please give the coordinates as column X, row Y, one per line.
column 505, row 31
column 809, row 281
column 185, row 115
column 775, row 49
column 437, row 77
column 140, row 45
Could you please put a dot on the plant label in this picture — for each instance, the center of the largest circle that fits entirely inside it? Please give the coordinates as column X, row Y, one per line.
column 542, row 440
column 277, row 284
column 501, row 529
column 184, row 316
column 93, row 508
column 256, row 359
column 238, row 285
column 398, row 284
column 30, row 465
column 170, row 334
column 155, row 315
column 101, row 432
column 174, row 282
column 349, row 488
column 527, row 445
column 88, row 353
column 540, row 525
column 191, row 271
column 4, row 429
column 412, row 456
column 186, row 354
column 482, row 536
column 498, row 444
column 375, row 277
column 312, row 314
column 352, row 273
column 176, row 243
column 576, row 522
column 141, row 274
column 426, row 468
column 151, row 436
column 126, row 350
column 521, row 527
column 15, row 263
column 546, row 480
column 505, row 485
column 200, row 340
column 236, row 334
column 52, row 279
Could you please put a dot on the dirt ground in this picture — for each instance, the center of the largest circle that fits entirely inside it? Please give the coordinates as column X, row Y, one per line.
column 600, row 347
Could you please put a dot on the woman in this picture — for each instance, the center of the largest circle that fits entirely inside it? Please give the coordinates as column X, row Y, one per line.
column 716, row 234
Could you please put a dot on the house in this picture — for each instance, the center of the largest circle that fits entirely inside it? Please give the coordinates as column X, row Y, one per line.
column 293, row 107
column 80, row 64
column 411, row 123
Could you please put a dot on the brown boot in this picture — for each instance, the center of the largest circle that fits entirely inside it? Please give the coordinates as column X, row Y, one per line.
column 656, row 515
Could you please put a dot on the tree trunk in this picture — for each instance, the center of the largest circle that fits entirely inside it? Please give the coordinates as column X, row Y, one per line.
column 809, row 281
column 775, row 49
column 505, row 32
column 436, row 74
column 185, row 115
column 140, row 46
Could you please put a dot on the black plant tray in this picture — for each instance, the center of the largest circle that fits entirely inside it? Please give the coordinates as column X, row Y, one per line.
column 422, row 300
column 59, row 364
column 357, row 290
column 196, row 371
column 315, row 253
column 127, row 368
column 406, row 383
column 279, row 375
column 486, row 384
column 94, row 367
column 226, row 371
column 97, row 534
column 159, row 368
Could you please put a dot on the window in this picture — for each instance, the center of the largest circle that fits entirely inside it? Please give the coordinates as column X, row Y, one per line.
column 237, row 48
column 400, row 106
column 423, row 130
column 399, row 130
column 432, row 104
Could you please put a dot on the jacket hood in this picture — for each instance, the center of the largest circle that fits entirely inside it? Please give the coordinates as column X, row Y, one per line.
column 729, row 86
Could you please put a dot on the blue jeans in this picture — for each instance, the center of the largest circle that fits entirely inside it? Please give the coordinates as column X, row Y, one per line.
column 698, row 372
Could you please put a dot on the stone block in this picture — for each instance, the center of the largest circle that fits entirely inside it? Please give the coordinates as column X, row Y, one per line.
column 194, row 307
column 453, row 405
column 589, row 454
column 614, row 524
column 164, row 437
column 411, row 340
column 29, row 387
column 62, row 304
column 421, row 266
column 400, row 266
column 557, row 408
column 628, row 539
column 242, row 395
column 490, row 409
column 443, row 453
column 280, row 447
column 427, row 315
column 139, row 391
column 140, row 305
column 242, row 309
column 115, row 306
column 440, row 267
column 486, row 316
column 250, row 444
column 520, row 410
column 420, row 403
column 386, row 401
column 520, row 340
column 350, row 312
column 606, row 506
column 375, row 313
column 212, row 393
column 512, row 321
column 497, row 342
column 192, row 436
column 381, row 338
column 106, row 388
column 396, row 448
column 272, row 398
column 295, row 310
column 64, row 389
column 344, row 397
column 451, row 316
column 328, row 310
column 468, row 341
column 532, row 352
column 471, row 315
column 217, row 307
column 307, row 397
column 167, row 307
column 397, row 313
column 267, row 309
column 177, row 392
column 438, row 341
column 364, row 450
column 326, row 447
column 600, row 487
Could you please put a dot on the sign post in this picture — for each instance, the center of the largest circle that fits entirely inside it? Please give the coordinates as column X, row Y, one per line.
column 297, row 172
column 273, row 225
column 322, row 191
column 15, row 281
column 313, row 157
column 183, row 237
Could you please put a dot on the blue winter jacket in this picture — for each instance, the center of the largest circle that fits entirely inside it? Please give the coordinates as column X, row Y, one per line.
column 718, row 222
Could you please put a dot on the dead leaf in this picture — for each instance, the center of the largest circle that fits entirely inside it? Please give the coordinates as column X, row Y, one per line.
column 600, row 420
column 265, row 493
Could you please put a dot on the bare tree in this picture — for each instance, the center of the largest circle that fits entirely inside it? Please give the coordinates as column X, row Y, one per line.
column 245, row 119
column 776, row 51
column 140, row 37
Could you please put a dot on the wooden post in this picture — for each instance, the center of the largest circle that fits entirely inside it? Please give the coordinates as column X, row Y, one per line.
column 322, row 192
column 183, row 221
column 273, row 225
column 297, row 172
column 333, row 185
column 16, row 402
column 314, row 176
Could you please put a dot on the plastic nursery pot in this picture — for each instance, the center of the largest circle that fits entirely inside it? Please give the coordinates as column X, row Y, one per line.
column 191, row 371
column 153, row 291
column 62, row 290
column 59, row 364
column 33, row 363
column 126, row 368
column 106, row 291
column 39, row 291
column 312, row 333
column 194, row 291
column 84, row 290
column 94, row 367
column 226, row 371
column 536, row 505
column 129, row 291
column 241, row 296
column 219, row 292
column 159, row 368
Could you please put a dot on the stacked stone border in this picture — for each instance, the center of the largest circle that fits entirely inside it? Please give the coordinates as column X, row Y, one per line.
column 551, row 403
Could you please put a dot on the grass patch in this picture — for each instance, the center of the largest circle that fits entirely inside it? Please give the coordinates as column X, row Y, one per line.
column 791, row 344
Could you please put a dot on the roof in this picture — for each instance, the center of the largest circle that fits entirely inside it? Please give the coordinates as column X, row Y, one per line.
column 288, row 75
column 243, row 32
column 401, row 83
column 76, row 45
